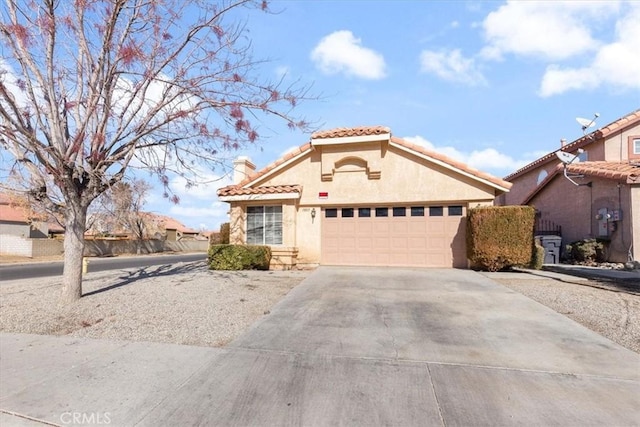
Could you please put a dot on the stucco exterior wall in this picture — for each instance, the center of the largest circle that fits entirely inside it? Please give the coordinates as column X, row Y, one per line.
column 524, row 185
column 15, row 229
column 633, row 212
column 617, row 147
column 373, row 174
column 403, row 179
column 575, row 209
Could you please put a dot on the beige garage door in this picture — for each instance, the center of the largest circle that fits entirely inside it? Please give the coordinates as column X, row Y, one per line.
column 415, row 236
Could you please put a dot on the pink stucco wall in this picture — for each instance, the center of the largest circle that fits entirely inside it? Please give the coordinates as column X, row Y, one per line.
column 575, row 208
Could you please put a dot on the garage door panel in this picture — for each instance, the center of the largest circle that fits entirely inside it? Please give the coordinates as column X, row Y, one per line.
column 403, row 241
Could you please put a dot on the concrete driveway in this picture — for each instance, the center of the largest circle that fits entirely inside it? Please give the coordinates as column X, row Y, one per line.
column 366, row 346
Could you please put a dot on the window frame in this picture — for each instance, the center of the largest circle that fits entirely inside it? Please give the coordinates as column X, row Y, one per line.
column 417, row 211
column 433, row 211
column 633, row 154
column 363, row 210
column 270, row 224
column 451, row 207
column 399, row 211
column 333, row 211
column 380, row 210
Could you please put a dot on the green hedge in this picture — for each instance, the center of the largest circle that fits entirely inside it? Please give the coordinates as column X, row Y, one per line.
column 224, row 233
column 537, row 258
column 239, row 257
column 500, row 236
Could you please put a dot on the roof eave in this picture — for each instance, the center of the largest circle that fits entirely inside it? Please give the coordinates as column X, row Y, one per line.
column 259, row 197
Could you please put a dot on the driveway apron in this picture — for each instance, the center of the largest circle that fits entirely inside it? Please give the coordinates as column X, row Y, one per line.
column 368, row 346
column 348, row 346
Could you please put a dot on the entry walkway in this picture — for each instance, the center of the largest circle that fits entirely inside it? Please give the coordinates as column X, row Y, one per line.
column 348, row 346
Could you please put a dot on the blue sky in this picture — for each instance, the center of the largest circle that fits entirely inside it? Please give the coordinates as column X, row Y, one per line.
column 493, row 84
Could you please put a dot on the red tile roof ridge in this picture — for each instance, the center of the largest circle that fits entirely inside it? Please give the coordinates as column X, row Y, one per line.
column 451, row 162
column 341, row 132
column 627, row 120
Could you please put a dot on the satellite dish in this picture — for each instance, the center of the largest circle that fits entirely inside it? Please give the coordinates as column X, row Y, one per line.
column 566, row 158
column 587, row 123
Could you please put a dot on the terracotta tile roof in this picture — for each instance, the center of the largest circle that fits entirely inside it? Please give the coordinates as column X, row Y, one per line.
column 10, row 213
column 15, row 210
column 628, row 172
column 453, row 163
column 623, row 122
column 341, row 132
column 170, row 223
column 236, row 190
column 346, row 132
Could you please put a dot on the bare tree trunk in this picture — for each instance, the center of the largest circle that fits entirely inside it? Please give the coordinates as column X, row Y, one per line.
column 73, row 253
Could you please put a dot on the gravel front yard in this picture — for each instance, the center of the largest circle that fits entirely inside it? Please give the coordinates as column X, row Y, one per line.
column 183, row 304
column 188, row 304
column 611, row 309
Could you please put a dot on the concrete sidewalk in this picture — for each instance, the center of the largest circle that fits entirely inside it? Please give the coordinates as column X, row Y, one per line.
column 348, row 346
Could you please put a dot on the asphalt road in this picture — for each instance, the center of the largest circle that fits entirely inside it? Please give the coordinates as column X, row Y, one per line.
column 47, row 269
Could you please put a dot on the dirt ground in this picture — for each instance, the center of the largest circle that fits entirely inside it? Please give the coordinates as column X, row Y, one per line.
column 610, row 308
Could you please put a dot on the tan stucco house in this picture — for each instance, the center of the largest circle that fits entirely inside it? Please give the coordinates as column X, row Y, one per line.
column 358, row 196
column 596, row 196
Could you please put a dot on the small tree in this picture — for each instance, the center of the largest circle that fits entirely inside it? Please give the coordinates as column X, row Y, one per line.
column 120, row 209
column 91, row 88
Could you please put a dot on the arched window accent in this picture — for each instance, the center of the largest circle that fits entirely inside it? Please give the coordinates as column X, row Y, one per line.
column 351, row 164
column 541, row 176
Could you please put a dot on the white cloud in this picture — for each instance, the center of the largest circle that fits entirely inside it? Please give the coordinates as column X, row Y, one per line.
column 215, row 210
column 204, row 190
column 452, row 66
column 616, row 64
column 342, row 52
column 11, row 83
column 488, row 159
column 551, row 30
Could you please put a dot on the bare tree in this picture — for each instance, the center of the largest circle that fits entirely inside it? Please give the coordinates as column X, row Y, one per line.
column 91, row 88
column 121, row 209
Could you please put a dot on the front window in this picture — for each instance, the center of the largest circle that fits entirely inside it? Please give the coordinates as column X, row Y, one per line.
column 264, row 225
column 636, row 146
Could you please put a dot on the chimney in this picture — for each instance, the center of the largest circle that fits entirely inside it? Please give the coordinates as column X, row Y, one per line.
column 563, row 142
column 242, row 168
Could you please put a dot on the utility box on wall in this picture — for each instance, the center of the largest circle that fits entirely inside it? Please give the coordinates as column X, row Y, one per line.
column 603, row 222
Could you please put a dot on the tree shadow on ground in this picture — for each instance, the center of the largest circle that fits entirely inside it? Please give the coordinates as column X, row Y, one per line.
column 151, row 271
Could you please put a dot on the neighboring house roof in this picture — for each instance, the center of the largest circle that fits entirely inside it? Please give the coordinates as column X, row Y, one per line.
column 620, row 171
column 171, row 223
column 604, row 132
column 10, row 211
column 244, row 187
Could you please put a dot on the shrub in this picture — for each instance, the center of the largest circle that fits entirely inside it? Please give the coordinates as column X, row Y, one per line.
column 239, row 257
column 500, row 236
column 224, row 233
column 537, row 258
column 587, row 251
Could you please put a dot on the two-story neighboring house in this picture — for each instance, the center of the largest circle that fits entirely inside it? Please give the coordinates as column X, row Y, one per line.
column 595, row 196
